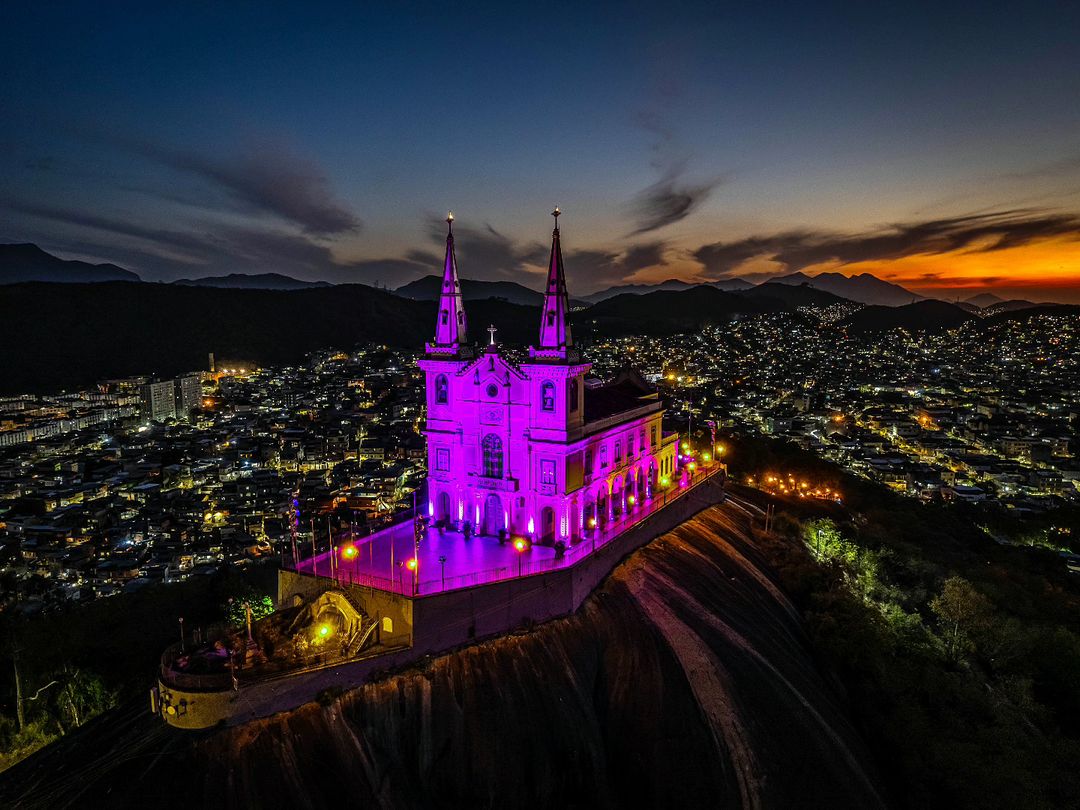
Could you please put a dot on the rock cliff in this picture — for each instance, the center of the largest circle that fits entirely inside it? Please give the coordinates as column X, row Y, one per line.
column 683, row 682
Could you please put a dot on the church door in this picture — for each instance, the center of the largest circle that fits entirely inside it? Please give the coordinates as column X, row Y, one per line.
column 443, row 512
column 493, row 515
column 547, row 525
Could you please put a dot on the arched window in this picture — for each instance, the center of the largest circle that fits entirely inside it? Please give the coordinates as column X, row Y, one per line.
column 547, row 396
column 493, row 456
column 573, row 396
column 441, row 389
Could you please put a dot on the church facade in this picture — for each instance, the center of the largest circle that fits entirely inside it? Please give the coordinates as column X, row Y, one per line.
column 535, row 448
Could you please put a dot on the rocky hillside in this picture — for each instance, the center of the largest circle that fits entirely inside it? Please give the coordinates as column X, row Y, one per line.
column 685, row 681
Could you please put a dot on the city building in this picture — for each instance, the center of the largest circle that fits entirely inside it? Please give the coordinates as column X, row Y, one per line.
column 159, row 400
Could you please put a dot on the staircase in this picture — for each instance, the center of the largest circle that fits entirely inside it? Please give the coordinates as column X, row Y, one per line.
column 360, row 639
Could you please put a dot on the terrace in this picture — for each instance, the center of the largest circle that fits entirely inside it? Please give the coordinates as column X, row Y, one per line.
column 448, row 559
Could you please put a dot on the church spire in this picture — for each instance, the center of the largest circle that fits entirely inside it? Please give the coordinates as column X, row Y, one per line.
column 555, row 318
column 450, row 331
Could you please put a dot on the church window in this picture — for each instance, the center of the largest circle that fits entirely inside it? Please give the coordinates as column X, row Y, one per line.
column 442, row 459
column 493, row 456
column 630, row 446
column 603, row 456
column 573, row 396
column 547, row 396
column 618, row 452
column 492, row 390
column 441, row 389
column 652, row 435
column 445, row 316
column 547, row 472
column 551, row 319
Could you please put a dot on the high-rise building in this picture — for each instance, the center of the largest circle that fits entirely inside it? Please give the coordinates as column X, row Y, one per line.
column 533, row 448
column 188, row 395
column 158, row 400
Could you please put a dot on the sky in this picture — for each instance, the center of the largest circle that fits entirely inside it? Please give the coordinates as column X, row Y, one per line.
column 936, row 145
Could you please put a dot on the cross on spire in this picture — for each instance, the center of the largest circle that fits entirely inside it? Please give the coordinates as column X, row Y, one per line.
column 491, row 331
column 450, row 326
column 555, row 317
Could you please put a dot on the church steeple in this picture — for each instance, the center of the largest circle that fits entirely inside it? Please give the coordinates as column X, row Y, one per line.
column 555, row 318
column 450, row 327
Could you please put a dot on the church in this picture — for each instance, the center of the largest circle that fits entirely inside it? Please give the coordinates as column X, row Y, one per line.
column 536, row 449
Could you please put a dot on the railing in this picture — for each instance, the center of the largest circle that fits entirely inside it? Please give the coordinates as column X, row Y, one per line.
column 406, row 585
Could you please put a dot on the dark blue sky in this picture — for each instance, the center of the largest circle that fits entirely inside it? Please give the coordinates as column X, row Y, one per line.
column 327, row 140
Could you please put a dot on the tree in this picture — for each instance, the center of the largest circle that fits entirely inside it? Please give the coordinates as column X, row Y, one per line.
column 237, row 606
column 80, row 695
column 963, row 612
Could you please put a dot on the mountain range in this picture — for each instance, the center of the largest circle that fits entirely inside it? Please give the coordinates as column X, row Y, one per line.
column 27, row 262
column 259, row 281
column 428, row 288
column 671, row 285
column 71, row 335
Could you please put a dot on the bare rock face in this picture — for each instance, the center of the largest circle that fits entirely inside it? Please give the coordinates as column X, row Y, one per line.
column 684, row 682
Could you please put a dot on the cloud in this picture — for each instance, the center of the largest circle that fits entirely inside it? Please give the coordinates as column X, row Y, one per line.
column 798, row 249
column 269, row 180
column 213, row 250
column 668, row 201
column 485, row 253
column 588, row 270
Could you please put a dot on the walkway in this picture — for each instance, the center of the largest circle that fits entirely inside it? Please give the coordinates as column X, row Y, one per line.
column 447, row 561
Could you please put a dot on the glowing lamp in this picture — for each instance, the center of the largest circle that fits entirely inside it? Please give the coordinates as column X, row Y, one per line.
column 693, row 466
column 520, row 544
column 324, row 630
column 685, row 446
column 630, row 499
column 411, row 564
column 592, row 523
column 665, row 481
column 348, row 552
column 706, row 457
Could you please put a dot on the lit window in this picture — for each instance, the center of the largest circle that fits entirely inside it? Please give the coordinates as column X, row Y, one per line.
column 603, row 456
column 618, row 452
column 442, row 459
column 547, row 472
column 493, row 456
column 547, row 396
column 441, row 389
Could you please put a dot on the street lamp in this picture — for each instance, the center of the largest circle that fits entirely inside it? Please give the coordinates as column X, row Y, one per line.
column 442, row 562
column 413, row 565
column 520, row 545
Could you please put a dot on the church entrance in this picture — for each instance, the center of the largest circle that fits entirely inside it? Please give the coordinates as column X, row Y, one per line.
column 493, row 515
column 547, row 525
column 443, row 510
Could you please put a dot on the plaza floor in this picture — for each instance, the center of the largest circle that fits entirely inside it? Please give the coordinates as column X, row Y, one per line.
column 445, row 560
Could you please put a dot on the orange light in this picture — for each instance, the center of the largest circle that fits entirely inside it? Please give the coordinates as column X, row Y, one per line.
column 411, row 564
column 348, row 552
column 520, row 544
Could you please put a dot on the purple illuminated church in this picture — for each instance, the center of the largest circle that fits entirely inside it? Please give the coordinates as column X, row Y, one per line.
column 536, row 448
